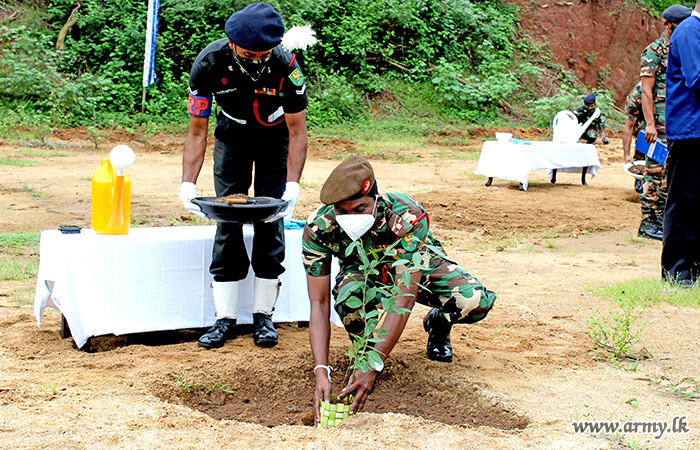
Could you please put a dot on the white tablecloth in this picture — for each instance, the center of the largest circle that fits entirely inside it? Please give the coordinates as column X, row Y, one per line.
column 150, row 279
column 510, row 161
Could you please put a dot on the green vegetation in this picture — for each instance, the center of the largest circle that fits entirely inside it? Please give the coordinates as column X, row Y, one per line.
column 364, row 297
column 15, row 241
column 649, row 292
column 15, row 271
column 416, row 66
column 618, row 331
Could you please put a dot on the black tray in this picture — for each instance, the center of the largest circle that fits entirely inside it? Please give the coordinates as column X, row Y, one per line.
column 257, row 209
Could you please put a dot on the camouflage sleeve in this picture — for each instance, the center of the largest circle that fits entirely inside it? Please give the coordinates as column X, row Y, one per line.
column 634, row 103
column 411, row 222
column 315, row 256
column 601, row 122
column 650, row 61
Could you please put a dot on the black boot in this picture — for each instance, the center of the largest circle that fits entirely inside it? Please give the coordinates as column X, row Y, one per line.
column 639, row 186
column 439, row 347
column 223, row 330
column 651, row 227
column 264, row 334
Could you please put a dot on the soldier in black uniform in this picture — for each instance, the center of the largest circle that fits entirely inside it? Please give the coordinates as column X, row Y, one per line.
column 260, row 120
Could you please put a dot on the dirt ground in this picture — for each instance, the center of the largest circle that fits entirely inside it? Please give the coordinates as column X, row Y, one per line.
column 519, row 378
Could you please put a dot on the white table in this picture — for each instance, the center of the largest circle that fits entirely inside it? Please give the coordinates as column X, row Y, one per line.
column 149, row 280
column 510, row 161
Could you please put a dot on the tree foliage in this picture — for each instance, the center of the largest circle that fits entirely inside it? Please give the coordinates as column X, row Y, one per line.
column 463, row 49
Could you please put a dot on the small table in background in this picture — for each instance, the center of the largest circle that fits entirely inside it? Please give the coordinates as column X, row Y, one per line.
column 511, row 161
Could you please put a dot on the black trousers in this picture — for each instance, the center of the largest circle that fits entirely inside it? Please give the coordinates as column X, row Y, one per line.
column 680, row 257
column 233, row 174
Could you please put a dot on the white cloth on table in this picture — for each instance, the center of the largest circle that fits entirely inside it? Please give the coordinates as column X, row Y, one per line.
column 149, row 280
column 511, row 161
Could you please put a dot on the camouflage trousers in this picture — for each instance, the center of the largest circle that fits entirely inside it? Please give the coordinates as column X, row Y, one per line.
column 653, row 197
column 590, row 135
column 461, row 297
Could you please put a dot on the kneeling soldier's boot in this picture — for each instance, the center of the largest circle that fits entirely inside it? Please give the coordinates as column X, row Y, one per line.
column 650, row 229
column 438, row 327
column 225, row 295
column 265, row 296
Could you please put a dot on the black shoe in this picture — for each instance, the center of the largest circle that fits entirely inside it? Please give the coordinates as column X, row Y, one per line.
column 605, row 141
column 264, row 334
column 639, row 186
column 439, row 346
column 223, row 330
column 650, row 230
column 684, row 283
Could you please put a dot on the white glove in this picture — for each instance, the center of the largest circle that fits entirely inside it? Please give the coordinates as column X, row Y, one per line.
column 188, row 191
column 291, row 195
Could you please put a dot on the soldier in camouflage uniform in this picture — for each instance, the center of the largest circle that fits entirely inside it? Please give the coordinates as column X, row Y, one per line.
column 455, row 296
column 653, row 73
column 583, row 113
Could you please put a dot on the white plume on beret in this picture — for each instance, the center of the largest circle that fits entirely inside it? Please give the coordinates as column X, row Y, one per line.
column 299, row 37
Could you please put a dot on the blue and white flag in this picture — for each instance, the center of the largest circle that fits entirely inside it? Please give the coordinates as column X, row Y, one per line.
column 149, row 62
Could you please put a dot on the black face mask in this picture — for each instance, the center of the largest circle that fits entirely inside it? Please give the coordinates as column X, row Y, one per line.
column 251, row 67
column 673, row 28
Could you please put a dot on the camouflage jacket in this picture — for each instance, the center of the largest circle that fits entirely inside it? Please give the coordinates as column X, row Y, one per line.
column 399, row 216
column 583, row 113
column 653, row 64
column 634, row 109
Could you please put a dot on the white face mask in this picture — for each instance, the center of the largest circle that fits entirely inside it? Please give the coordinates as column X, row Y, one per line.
column 356, row 225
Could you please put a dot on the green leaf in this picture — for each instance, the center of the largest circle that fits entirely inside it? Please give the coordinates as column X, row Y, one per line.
column 354, row 303
column 382, row 332
column 370, row 326
column 406, row 278
column 373, row 358
column 400, row 262
column 417, row 259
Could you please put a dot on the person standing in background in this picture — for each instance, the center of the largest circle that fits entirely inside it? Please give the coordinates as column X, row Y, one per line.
column 653, row 75
column 261, row 101
column 680, row 256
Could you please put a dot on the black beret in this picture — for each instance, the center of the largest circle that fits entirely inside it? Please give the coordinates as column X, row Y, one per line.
column 677, row 13
column 257, row 27
column 589, row 99
column 353, row 178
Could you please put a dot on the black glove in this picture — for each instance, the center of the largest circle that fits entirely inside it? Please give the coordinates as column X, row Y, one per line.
column 605, row 141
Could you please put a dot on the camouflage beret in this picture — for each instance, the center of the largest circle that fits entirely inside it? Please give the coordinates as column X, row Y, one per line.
column 354, row 177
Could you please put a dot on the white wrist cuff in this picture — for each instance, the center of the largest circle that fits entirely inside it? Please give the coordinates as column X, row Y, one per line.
column 328, row 370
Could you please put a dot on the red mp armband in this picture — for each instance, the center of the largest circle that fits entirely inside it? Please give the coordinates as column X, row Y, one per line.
column 199, row 106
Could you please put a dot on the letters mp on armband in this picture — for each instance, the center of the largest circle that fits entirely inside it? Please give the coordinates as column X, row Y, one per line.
column 199, row 106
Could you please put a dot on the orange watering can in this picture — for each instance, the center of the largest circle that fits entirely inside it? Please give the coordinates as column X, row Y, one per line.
column 111, row 193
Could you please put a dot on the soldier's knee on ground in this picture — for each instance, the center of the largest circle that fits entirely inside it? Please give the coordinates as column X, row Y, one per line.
column 486, row 301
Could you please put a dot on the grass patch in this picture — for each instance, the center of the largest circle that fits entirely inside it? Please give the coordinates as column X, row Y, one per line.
column 15, row 271
column 42, row 153
column 472, row 176
column 16, row 162
column 649, row 292
column 18, row 240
